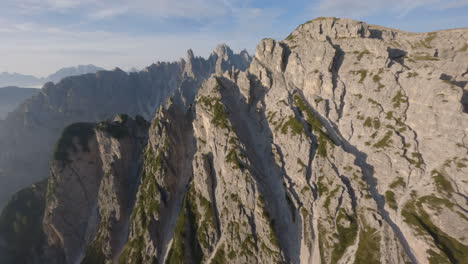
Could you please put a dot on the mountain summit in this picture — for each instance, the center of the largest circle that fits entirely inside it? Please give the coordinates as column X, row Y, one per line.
column 343, row 143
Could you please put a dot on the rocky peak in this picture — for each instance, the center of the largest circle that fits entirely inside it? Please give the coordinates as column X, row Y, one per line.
column 223, row 51
column 332, row 27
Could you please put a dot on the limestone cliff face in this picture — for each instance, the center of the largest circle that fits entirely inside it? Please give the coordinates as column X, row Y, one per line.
column 28, row 134
column 344, row 143
column 90, row 191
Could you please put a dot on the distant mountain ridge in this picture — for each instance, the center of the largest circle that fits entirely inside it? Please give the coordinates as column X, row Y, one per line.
column 12, row 96
column 22, row 80
column 29, row 133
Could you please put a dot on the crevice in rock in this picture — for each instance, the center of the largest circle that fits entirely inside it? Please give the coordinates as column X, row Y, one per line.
column 265, row 171
column 208, row 164
column 368, row 176
column 285, row 57
column 464, row 101
column 335, row 68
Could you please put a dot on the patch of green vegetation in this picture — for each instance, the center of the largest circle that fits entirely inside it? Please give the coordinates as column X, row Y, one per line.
column 464, row 48
column 416, row 159
column 204, row 216
column 290, row 37
column 361, row 54
column 385, row 141
column 323, row 244
column 358, row 95
column 376, row 123
column 425, row 57
column 207, row 101
column 442, row 184
column 147, row 204
column 232, row 255
column 398, row 99
column 362, row 73
column 376, row 78
column 398, row 182
column 216, row 107
column 294, row 126
column 233, row 158
column 327, row 202
column 389, row 115
column 219, row 116
column 21, row 225
column 94, row 254
column 248, row 246
column 368, row 122
column 315, row 126
column 427, row 41
column 368, row 247
column 451, row 250
column 436, row 203
column 372, row 122
column 133, row 251
column 411, row 74
column 271, row 116
column 321, row 187
column 185, row 242
column 390, row 199
column 219, row 257
column 368, row 250
column 80, row 131
column 347, row 229
column 305, row 189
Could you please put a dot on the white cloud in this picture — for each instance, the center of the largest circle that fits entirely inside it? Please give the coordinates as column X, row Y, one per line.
column 110, row 8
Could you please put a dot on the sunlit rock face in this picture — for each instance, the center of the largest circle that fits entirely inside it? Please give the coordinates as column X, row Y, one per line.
column 343, row 143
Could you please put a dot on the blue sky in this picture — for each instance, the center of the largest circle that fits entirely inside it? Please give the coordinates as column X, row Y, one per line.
column 39, row 36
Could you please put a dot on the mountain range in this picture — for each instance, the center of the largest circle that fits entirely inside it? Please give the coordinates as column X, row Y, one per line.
column 21, row 80
column 343, row 143
column 28, row 134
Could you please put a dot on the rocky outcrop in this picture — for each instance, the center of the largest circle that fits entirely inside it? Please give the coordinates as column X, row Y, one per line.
column 91, row 189
column 344, row 143
column 28, row 135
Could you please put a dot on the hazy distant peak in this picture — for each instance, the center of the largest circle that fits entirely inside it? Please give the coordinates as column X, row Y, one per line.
column 72, row 71
column 22, row 80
